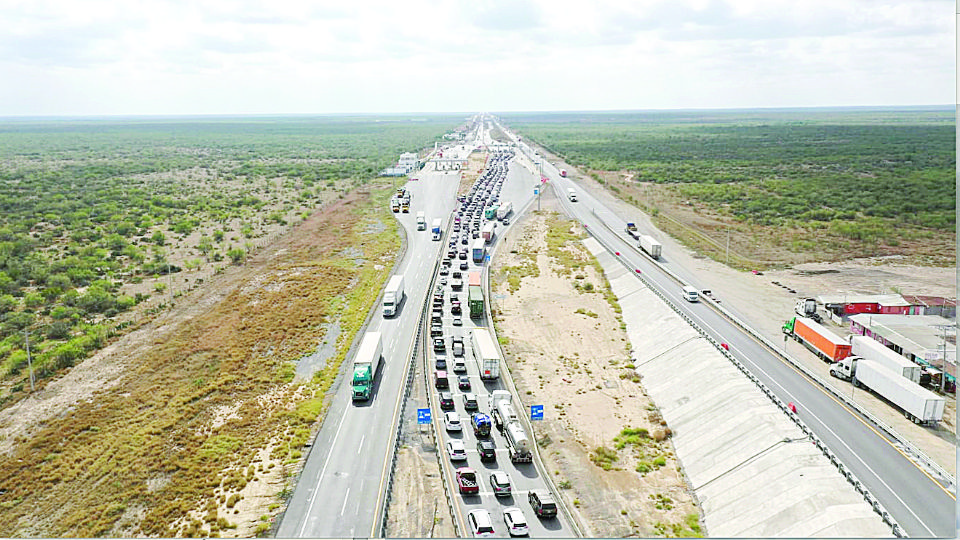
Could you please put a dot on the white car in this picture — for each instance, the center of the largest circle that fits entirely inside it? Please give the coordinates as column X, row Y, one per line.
column 452, row 421
column 480, row 523
column 457, row 451
column 516, row 523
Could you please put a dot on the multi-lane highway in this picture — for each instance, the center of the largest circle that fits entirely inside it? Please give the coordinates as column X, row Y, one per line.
column 342, row 485
column 919, row 503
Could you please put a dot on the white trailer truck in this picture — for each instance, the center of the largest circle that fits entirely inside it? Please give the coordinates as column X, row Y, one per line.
column 393, row 296
column 485, row 354
column 918, row 404
column 651, row 246
column 871, row 349
column 504, row 210
column 366, row 364
column 435, row 229
column 421, row 221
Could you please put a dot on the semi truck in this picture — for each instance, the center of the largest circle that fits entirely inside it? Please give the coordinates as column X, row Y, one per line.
column 488, row 231
column 421, row 221
column 366, row 364
column 807, row 307
column 822, row 342
column 504, row 210
column 508, row 423
column 479, row 250
column 873, row 350
column 650, row 246
column 485, row 354
column 632, row 230
column 393, row 296
column 474, row 279
column 435, row 229
column 475, row 300
column 491, row 211
column 918, row 404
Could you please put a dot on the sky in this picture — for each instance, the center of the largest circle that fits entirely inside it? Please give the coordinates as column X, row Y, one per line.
column 186, row 57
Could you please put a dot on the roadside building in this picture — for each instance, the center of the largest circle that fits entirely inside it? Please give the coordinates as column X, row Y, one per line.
column 934, row 305
column 844, row 305
column 927, row 340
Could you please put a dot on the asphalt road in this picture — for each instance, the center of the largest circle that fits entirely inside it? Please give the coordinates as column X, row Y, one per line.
column 518, row 189
column 343, row 480
column 921, row 505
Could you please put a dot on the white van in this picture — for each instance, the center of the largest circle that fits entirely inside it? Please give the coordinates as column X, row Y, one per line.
column 572, row 194
column 691, row 294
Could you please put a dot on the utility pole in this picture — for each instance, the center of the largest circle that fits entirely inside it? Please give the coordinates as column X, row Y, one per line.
column 728, row 247
column 26, row 336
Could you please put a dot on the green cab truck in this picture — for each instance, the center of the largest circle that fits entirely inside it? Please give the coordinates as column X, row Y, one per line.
column 366, row 364
column 475, row 299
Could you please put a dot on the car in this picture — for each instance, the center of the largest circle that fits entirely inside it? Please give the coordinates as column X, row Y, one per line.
column 441, row 362
column 443, row 280
column 452, row 254
column 506, row 221
column 455, row 308
column 444, row 270
column 515, row 522
column 441, row 380
column 464, row 240
column 451, row 421
column 457, row 321
column 480, row 523
column 456, row 275
column 463, row 254
column 439, row 344
column 500, row 482
column 464, row 265
column 463, row 382
column 456, row 450
column 542, row 503
column 456, row 343
column 488, row 452
column 446, row 401
column 459, row 365
column 475, row 234
column 436, row 330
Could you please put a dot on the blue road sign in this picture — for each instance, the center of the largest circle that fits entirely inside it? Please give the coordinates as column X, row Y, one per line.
column 536, row 412
column 536, row 191
column 423, row 416
column 487, row 258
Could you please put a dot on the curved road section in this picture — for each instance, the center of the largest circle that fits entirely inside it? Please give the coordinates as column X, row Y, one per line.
column 920, row 504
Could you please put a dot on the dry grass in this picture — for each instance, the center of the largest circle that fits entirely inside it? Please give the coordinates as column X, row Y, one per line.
column 154, row 446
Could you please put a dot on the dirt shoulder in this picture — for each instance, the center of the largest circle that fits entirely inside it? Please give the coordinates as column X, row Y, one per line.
column 566, row 348
column 763, row 304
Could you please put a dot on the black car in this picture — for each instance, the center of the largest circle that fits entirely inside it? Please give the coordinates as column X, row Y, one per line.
column 487, row 450
column 464, row 265
column 463, row 382
column 441, row 361
column 446, row 401
column 439, row 344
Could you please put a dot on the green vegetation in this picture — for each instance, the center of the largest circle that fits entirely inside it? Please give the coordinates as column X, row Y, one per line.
column 93, row 208
column 603, row 457
column 844, row 182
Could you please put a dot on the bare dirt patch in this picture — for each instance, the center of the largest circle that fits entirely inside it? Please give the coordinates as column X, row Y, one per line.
column 604, row 440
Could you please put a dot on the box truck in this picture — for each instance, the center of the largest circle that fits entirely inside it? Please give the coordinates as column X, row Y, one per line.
column 488, row 231
column 435, row 229
column 491, row 211
column 918, row 404
column 572, row 194
column 871, row 349
column 366, row 364
column 421, row 221
column 393, row 296
column 479, row 250
column 650, row 246
column 485, row 354
column 822, row 342
column 504, row 210
column 475, row 299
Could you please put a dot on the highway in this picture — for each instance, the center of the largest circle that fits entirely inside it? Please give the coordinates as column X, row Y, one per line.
column 342, row 484
column 518, row 189
column 922, row 506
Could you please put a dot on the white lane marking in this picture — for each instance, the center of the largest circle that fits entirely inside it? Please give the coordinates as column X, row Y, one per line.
column 844, row 443
column 359, row 450
column 346, row 497
column 313, row 498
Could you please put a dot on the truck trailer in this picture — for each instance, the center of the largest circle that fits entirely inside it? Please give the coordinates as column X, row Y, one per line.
column 650, row 246
column 366, row 364
column 479, row 250
column 435, row 229
column 504, row 210
column 518, row 445
column 822, row 342
column 918, row 404
column 871, row 349
column 485, row 354
column 488, row 231
column 632, row 230
column 475, row 300
column 393, row 296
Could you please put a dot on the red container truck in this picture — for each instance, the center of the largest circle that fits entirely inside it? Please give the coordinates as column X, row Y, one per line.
column 822, row 342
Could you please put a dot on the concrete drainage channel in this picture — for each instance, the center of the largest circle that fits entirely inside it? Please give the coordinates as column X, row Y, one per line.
column 848, row 475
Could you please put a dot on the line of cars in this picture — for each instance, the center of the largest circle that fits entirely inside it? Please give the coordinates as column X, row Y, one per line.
column 473, row 210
